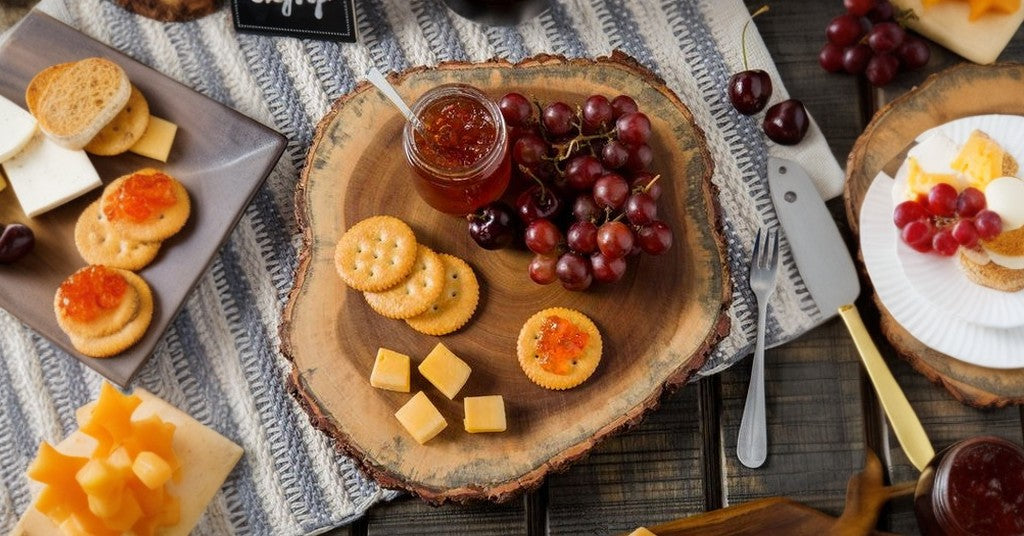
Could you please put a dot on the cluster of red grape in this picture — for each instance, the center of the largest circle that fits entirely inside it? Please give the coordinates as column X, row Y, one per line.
column 944, row 220
column 868, row 40
column 592, row 200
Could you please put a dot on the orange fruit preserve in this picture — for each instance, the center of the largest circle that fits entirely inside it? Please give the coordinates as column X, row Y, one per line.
column 139, row 198
column 461, row 155
column 560, row 343
column 91, row 292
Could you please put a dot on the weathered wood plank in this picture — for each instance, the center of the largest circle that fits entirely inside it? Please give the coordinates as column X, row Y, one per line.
column 647, row 476
column 815, row 428
column 414, row 517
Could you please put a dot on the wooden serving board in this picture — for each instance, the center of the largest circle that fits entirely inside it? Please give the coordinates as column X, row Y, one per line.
column 658, row 323
column 944, row 96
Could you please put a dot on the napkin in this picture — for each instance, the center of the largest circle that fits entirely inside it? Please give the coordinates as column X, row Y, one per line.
column 220, row 360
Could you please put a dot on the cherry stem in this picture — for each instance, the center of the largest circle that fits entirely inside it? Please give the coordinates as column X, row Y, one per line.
column 647, row 187
column 743, row 35
column 543, row 189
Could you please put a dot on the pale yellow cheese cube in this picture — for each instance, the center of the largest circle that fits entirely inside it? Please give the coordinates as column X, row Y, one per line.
column 390, row 371
column 421, row 418
column 484, row 414
column 445, row 370
column 156, row 142
column 641, row 531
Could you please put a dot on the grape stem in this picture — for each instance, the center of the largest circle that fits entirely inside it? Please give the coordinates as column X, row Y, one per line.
column 647, row 187
column 543, row 189
column 743, row 34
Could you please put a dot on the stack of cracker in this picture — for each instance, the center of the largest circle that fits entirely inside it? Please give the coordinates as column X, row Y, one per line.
column 434, row 293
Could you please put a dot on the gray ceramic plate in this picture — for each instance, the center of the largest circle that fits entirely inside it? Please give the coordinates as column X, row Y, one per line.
column 221, row 157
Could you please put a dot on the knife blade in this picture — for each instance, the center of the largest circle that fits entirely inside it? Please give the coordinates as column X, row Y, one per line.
column 820, row 253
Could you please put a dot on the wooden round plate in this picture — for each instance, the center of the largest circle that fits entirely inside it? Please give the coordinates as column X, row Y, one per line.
column 658, row 323
column 943, row 97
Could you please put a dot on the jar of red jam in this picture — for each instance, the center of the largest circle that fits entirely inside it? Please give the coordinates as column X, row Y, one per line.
column 973, row 488
column 461, row 157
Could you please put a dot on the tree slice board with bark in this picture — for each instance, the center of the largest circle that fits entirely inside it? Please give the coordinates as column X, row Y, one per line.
column 944, row 96
column 658, row 323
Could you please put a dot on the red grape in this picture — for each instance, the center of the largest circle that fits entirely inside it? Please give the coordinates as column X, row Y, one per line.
column 907, row 212
column 882, row 12
column 913, row 53
column 585, row 209
column 542, row 269
column 610, row 191
column 886, row 37
column 944, row 244
column 970, row 202
column 640, row 158
column 942, row 200
column 633, row 128
column 582, row 171
column 515, row 109
column 614, row 154
column 881, row 69
column 645, row 181
column 542, row 236
column 597, row 113
column 965, row 233
column 573, row 271
column 623, row 104
column 557, row 119
column 641, row 208
column 844, row 30
column 614, row 239
column 856, row 58
column 582, row 237
column 607, row 270
column 655, row 238
column 831, row 57
column 918, row 233
column 988, row 224
column 859, row 7
column 529, row 150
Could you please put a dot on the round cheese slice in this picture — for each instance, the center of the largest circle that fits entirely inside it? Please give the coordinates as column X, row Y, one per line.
column 16, row 128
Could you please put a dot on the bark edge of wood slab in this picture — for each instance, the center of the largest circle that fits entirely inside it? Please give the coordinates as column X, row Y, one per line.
column 942, row 97
column 355, row 168
column 171, row 10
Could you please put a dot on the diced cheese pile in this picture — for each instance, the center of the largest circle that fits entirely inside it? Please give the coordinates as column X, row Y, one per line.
column 122, row 486
column 980, row 160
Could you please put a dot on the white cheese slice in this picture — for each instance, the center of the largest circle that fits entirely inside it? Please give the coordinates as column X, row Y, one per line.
column 206, row 459
column 16, row 128
column 45, row 175
column 1013, row 263
column 949, row 25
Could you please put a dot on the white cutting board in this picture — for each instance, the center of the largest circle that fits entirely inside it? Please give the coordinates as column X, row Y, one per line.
column 947, row 24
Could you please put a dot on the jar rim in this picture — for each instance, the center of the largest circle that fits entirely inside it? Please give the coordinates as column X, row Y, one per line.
column 496, row 152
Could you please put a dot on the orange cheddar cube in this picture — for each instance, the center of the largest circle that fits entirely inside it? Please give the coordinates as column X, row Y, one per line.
column 151, row 469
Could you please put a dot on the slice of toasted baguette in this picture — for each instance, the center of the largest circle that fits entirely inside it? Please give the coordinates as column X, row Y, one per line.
column 81, row 100
column 992, row 275
column 36, row 88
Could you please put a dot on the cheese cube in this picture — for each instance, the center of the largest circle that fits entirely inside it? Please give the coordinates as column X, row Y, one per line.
column 484, row 414
column 445, row 370
column 390, row 371
column 45, row 175
column 151, row 469
column 421, row 418
column 156, row 142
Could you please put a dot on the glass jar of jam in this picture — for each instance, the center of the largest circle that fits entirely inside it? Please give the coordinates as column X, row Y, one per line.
column 974, row 487
column 461, row 157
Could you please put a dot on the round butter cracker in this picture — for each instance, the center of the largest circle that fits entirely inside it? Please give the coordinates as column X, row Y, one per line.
column 456, row 304
column 105, row 324
column 160, row 226
column 416, row 292
column 581, row 367
column 124, row 130
column 375, row 254
column 131, row 333
column 99, row 243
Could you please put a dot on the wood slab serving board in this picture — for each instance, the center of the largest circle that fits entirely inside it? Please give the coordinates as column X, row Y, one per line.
column 658, row 323
column 944, row 96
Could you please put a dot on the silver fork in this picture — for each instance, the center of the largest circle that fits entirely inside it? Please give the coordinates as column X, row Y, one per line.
column 752, row 441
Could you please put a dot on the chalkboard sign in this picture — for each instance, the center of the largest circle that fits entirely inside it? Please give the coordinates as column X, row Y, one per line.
column 313, row 19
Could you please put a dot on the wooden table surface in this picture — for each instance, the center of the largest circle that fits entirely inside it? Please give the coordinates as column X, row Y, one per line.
column 822, row 414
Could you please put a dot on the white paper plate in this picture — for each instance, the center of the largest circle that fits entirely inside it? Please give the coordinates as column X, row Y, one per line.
column 939, row 279
column 936, row 328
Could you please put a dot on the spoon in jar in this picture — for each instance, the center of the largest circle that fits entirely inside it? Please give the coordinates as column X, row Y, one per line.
column 379, row 81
